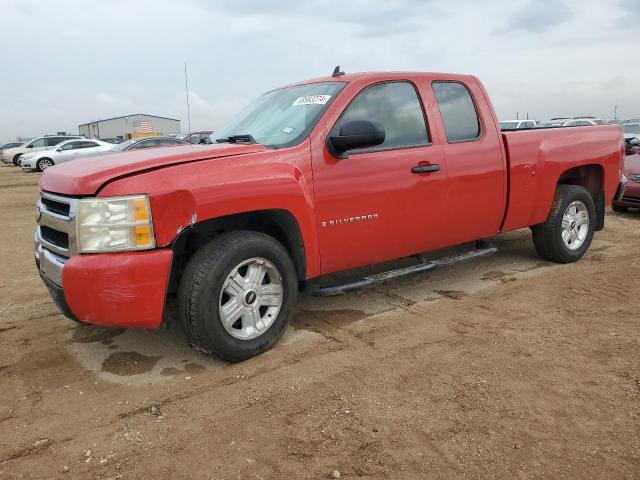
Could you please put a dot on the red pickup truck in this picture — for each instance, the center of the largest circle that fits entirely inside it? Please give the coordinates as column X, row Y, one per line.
column 313, row 178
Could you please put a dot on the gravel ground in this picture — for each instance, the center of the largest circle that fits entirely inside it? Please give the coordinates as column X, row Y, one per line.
column 503, row 367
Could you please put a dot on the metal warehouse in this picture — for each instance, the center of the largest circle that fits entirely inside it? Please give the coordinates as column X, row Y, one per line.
column 130, row 126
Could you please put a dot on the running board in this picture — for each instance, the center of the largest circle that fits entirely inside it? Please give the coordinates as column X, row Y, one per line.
column 333, row 290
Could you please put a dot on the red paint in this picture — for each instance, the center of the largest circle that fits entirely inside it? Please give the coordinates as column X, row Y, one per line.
column 118, row 289
column 500, row 182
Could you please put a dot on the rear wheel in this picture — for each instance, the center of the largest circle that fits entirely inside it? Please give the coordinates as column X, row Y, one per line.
column 43, row 164
column 236, row 295
column 568, row 231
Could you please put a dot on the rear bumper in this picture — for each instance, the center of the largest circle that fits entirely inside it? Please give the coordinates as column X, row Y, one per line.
column 119, row 289
column 628, row 195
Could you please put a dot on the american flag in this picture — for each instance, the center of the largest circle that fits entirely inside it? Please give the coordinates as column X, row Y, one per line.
column 142, row 126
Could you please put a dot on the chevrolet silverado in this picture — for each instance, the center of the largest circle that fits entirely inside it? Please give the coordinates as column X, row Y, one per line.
column 313, row 178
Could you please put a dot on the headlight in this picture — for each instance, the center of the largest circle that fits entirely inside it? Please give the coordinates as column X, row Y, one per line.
column 26, row 156
column 115, row 224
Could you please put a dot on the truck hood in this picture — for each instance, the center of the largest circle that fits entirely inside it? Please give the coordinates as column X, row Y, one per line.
column 86, row 176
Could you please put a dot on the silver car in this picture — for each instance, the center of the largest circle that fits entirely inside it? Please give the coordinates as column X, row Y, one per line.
column 63, row 152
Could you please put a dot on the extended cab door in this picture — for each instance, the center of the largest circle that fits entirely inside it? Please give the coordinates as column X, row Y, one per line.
column 371, row 207
column 476, row 167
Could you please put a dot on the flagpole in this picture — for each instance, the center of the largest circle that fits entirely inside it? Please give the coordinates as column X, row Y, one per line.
column 186, row 86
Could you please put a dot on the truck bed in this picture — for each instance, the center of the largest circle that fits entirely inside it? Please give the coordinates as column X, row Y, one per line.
column 537, row 158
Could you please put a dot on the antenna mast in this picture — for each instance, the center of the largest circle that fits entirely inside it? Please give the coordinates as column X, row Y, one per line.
column 186, row 87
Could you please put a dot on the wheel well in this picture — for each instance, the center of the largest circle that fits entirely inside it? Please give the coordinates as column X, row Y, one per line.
column 589, row 177
column 279, row 224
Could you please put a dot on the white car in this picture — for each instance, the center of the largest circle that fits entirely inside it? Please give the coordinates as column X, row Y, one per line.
column 63, row 152
column 631, row 130
column 583, row 122
column 12, row 155
column 517, row 124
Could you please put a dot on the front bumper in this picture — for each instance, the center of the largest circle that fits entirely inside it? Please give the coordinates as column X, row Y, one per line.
column 125, row 289
column 628, row 195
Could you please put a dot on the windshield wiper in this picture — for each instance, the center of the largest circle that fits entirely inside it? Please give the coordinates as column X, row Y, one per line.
column 244, row 138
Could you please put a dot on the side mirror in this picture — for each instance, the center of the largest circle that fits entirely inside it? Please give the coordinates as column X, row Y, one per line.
column 356, row 134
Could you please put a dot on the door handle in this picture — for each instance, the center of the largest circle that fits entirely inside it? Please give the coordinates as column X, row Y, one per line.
column 434, row 167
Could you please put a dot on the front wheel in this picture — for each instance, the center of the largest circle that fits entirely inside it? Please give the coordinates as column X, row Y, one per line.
column 43, row 164
column 568, row 231
column 236, row 295
column 16, row 160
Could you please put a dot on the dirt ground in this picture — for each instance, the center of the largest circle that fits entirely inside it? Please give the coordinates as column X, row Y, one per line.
column 503, row 367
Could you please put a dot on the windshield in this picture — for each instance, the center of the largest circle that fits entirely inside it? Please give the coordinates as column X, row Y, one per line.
column 124, row 145
column 632, row 128
column 508, row 125
column 284, row 117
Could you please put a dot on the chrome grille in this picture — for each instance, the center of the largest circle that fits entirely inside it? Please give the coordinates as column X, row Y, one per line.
column 57, row 223
column 635, row 177
column 55, row 237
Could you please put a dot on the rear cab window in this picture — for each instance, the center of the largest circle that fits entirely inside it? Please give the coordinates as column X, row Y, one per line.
column 458, row 112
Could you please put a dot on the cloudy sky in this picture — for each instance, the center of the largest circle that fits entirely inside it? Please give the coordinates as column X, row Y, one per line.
column 66, row 62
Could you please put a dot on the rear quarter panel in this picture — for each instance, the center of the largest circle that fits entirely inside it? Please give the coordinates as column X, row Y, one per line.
column 537, row 159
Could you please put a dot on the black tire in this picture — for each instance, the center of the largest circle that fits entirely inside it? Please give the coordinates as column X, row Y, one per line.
column 201, row 286
column 16, row 158
column 619, row 208
column 547, row 237
column 39, row 164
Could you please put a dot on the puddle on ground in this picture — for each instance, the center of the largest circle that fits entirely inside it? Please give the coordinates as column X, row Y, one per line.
column 91, row 334
column 323, row 320
column 493, row 275
column 190, row 368
column 129, row 363
column 453, row 294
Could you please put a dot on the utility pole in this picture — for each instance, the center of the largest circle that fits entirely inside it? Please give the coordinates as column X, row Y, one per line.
column 186, row 87
column 615, row 113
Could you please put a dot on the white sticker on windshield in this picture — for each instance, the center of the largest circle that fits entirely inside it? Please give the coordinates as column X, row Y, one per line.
column 312, row 100
column 288, row 129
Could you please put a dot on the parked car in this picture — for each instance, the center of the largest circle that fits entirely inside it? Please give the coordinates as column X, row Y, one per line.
column 517, row 124
column 63, row 152
column 200, row 137
column 583, row 122
column 146, row 142
column 11, row 155
column 10, row 145
column 631, row 130
column 629, row 193
column 631, row 137
column 550, row 124
column 311, row 179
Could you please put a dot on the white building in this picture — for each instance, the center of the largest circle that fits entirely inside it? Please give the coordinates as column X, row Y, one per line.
column 129, row 126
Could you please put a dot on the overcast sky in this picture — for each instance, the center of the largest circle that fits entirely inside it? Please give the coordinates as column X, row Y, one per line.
column 69, row 62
